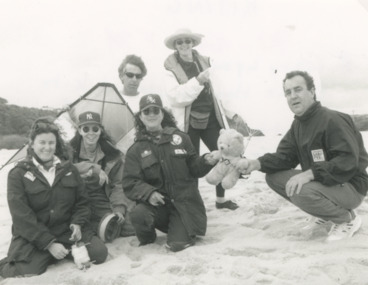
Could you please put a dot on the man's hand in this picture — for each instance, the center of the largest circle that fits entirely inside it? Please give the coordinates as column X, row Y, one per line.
column 156, row 199
column 77, row 233
column 58, row 251
column 246, row 166
column 295, row 183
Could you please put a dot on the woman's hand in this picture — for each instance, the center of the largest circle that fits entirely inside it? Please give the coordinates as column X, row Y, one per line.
column 120, row 216
column 204, row 77
column 213, row 157
column 77, row 233
column 58, row 251
column 103, row 177
column 156, row 199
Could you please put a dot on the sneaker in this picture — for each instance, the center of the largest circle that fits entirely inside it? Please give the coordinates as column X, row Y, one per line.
column 177, row 246
column 344, row 230
column 227, row 205
column 314, row 223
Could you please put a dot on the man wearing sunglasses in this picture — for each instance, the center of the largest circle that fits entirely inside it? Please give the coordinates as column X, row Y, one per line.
column 131, row 72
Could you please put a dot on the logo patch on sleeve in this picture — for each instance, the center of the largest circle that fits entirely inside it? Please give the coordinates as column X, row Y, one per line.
column 146, row 153
column 30, row 176
column 176, row 140
column 318, row 155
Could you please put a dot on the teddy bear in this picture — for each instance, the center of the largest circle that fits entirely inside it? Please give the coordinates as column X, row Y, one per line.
column 230, row 150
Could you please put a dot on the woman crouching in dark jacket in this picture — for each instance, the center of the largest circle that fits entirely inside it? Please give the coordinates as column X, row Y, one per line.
column 49, row 207
column 160, row 174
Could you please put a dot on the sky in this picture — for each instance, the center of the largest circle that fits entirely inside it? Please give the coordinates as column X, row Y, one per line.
column 52, row 52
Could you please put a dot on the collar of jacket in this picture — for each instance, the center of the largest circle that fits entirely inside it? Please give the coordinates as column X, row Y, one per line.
column 111, row 153
column 165, row 137
column 27, row 163
column 313, row 109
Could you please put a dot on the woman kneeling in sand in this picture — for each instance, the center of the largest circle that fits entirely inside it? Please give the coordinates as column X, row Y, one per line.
column 49, row 207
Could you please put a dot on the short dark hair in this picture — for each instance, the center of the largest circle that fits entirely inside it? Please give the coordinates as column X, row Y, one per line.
column 45, row 125
column 135, row 60
column 308, row 79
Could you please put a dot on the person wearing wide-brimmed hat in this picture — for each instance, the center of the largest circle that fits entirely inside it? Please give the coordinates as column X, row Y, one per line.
column 191, row 97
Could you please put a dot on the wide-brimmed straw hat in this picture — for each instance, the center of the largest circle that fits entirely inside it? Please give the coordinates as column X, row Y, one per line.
column 183, row 33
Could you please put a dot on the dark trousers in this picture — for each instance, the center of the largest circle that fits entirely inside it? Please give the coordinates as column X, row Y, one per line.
column 41, row 259
column 146, row 218
column 209, row 137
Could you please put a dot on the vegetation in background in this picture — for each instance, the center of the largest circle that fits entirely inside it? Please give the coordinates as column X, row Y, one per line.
column 15, row 123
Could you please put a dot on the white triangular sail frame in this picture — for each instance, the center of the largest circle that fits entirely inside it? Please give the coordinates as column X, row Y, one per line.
column 116, row 116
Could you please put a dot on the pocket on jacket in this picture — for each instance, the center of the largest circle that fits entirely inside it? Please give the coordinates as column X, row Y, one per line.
column 70, row 185
column 150, row 167
column 179, row 164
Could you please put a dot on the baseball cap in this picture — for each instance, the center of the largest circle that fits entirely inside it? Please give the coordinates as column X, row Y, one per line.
column 150, row 100
column 89, row 118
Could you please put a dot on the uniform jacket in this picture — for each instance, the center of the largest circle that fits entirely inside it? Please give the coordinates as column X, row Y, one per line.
column 42, row 213
column 328, row 143
column 112, row 164
column 170, row 167
column 181, row 91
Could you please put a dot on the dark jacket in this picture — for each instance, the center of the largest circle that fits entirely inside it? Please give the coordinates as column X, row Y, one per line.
column 328, row 143
column 170, row 167
column 112, row 164
column 42, row 213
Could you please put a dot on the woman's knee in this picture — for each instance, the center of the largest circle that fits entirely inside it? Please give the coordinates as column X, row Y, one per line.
column 140, row 215
column 97, row 250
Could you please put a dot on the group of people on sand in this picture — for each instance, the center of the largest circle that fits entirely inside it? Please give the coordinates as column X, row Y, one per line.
column 86, row 192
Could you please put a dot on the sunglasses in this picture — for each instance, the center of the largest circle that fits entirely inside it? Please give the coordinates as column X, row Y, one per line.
column 153, row 110
column 131, row 75
column 180, row 42
column 94, row 129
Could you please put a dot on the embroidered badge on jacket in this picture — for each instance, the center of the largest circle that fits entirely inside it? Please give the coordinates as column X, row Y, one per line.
column 146, row 153
column 318, row 155
column 30, row 176
column 180, row 151
column 176, row 140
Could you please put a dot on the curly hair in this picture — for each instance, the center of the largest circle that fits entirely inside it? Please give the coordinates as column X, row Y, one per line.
column 45, row 125
column 167, row 121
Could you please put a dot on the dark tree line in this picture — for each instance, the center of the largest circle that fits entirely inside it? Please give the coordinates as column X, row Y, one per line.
column 18, row 120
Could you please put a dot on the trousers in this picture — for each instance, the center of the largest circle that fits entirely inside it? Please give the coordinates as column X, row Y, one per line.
column 330, row 203
column 209, row 137
column 41, row 259
column 147, row 218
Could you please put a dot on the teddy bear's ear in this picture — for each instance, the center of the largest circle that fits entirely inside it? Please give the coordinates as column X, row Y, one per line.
column 221, row 131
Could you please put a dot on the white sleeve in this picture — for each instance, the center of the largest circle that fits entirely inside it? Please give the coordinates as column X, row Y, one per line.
column 181, row 95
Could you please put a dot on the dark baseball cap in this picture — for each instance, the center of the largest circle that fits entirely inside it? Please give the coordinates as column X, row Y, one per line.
column 150, row 100
column 89, row 118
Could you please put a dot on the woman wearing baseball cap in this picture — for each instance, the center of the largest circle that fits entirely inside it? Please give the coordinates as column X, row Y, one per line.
column 162, row 168
column 101, row 167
